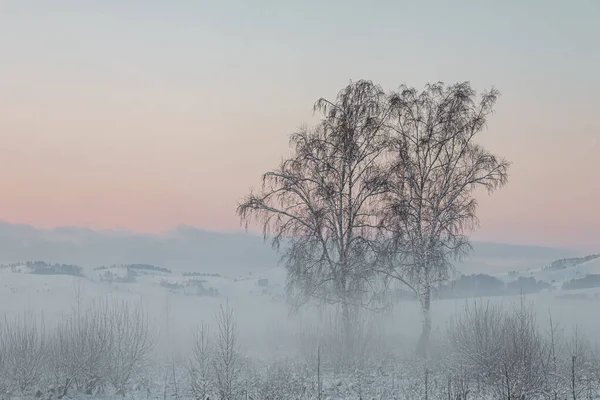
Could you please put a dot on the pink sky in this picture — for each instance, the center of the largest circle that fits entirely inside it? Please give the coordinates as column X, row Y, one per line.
column 102, row 127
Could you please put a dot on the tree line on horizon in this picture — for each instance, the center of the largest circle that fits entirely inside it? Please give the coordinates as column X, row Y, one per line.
column 381, row 190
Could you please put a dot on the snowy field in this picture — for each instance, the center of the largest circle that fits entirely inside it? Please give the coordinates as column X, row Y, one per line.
column 274, row 345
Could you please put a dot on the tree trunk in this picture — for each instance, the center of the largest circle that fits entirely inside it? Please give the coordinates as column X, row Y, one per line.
column 347, row 325
column 423, row 342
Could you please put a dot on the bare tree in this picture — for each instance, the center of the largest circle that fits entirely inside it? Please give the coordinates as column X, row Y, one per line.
column 324, row 201
column 227, row 357
column 130, row 342
column 556, row 379
column 579, row 367
column 438, row 166
column 79, row 348
column 201, row 364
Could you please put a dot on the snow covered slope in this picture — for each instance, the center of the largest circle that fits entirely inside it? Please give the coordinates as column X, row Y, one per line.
column 187, row 249
column 558, row 276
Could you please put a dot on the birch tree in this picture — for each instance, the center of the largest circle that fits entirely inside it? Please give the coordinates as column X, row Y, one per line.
column 324, row 201
column 438, row 166
column 227, row 355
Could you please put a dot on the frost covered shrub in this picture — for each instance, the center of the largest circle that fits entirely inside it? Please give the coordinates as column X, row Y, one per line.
column 475, row 340
column 78, row 349
column 503, row 352
column 103, row 343
column 23, row 353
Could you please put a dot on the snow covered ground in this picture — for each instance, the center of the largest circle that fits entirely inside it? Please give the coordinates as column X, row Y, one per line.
column 177, row 302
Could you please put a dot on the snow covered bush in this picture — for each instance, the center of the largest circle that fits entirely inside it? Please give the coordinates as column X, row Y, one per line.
column 23, row 352
column 79, row 347
column 102, row 343
column 503, row 352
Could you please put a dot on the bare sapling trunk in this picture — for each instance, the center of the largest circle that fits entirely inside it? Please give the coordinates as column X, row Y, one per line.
column 319, row 372
column 347, row 326
column 423, row 342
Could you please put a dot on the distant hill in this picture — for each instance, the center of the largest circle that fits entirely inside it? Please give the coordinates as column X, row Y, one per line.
column 571, row 262
column 182, row 249
column 501, row 258
column 190, row 249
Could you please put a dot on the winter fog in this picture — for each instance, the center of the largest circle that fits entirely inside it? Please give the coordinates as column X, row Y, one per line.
column 278, row 353
column 301, row 200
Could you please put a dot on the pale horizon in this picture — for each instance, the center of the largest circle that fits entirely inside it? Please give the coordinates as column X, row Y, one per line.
column 146, row 116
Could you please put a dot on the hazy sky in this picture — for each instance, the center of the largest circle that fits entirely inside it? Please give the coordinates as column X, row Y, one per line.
column 148, row 114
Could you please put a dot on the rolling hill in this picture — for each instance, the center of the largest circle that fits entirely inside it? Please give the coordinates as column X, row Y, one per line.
column 190, row 249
